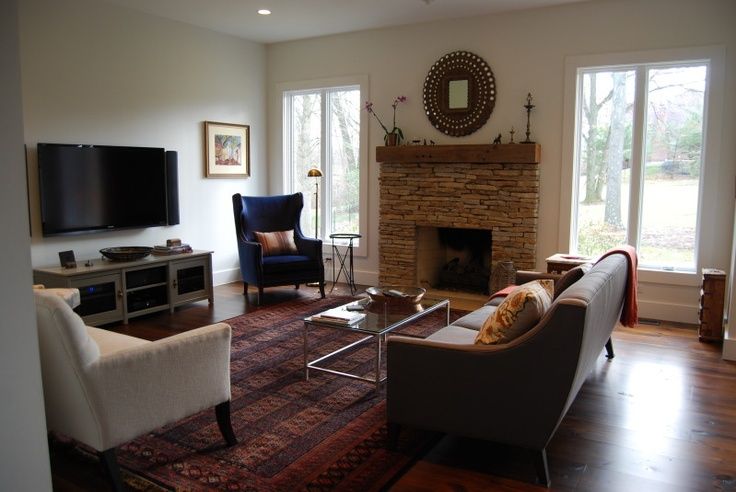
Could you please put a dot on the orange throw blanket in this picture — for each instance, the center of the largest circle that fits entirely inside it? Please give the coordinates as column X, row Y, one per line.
column 630, row 313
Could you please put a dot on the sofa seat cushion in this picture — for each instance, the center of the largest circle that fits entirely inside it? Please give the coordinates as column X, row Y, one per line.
column 286, row 263
column 518, row 313
column 454, row 334
column 110, row 342
column 474, row 320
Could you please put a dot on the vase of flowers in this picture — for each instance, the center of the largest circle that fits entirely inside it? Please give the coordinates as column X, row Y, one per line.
column 394, row 136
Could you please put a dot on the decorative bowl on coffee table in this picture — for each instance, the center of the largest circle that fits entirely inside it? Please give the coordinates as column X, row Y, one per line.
column 396, row 294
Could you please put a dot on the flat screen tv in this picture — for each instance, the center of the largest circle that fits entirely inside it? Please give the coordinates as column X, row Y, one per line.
column 92, row 188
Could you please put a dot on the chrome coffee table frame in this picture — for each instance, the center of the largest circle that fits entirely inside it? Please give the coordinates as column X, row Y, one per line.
column 375, row 326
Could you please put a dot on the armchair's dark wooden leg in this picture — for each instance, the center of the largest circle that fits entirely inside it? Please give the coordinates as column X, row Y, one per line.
column 609, row 349
column 245, row 288
column 322, row 289
column 392, row 439
column 540, row 463
column 222, row 412
column 296, row 286
column 112, row 470
column 260, row 294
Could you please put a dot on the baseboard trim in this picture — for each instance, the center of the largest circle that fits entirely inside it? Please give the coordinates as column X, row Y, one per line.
column 222, row 277
column 678, row 313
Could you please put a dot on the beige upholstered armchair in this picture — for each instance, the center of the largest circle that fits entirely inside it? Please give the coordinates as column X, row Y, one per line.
column 103, row 388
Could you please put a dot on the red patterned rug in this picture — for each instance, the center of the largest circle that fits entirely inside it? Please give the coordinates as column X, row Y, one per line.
column 327, row 433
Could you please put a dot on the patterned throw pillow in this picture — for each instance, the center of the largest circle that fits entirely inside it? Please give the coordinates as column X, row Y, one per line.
column 277, row 243
column 518, row 313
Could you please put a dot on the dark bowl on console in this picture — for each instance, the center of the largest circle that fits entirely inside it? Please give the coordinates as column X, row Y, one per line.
column 126, row 253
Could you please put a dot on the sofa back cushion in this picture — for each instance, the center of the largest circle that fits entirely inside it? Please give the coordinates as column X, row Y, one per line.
column 518, row 313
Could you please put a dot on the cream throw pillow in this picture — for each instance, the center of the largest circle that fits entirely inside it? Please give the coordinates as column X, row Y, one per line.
column 518, row 313
column 277, row 243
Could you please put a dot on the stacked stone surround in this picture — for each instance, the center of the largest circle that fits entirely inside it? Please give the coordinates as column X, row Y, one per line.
column 502, row 197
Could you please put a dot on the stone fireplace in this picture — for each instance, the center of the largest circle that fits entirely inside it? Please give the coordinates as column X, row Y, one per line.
column 494, row 188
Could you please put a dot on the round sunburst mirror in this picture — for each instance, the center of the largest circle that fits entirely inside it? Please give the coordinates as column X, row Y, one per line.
column 459, row 93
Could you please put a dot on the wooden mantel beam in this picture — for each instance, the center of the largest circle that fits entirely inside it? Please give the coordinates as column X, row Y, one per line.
column 484, row 153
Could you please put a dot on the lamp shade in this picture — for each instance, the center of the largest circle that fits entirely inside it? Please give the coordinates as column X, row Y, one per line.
column 314, row 173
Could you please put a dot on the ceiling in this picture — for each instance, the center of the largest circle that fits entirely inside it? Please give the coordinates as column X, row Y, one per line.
column 299, row 19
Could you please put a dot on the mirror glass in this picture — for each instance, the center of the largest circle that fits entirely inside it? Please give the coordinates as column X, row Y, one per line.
column 458, row 94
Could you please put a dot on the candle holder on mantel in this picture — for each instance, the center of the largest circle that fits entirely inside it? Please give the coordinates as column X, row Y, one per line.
column 528, row 107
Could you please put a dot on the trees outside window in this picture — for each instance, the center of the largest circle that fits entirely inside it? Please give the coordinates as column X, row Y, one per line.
column 322, row 128
column 639, row 157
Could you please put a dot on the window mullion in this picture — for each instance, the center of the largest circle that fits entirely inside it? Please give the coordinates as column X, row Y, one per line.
column 324, row 164
column 638, row 152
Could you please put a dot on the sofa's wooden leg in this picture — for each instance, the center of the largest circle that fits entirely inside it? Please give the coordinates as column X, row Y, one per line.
column 609, row 349
column 392, row 438
column 540, row 463
column 112, row 470
column 222, row 412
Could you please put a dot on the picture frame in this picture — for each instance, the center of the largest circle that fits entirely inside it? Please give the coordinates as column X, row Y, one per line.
column 227, row 150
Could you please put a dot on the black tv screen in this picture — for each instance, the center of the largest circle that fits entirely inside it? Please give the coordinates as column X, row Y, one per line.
column 91, row 188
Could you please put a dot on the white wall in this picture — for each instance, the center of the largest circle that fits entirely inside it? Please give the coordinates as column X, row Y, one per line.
column 101, row 74
column 24, row 459
column 526, row 51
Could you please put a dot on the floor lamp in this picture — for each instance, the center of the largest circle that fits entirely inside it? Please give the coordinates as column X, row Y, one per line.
column 316, row 174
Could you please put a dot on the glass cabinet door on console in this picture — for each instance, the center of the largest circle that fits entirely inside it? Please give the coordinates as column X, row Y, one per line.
column 101, row 298
column 190, row 280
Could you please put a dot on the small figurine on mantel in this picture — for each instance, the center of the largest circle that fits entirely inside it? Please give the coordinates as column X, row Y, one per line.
column 497, row 140
column 512, row 135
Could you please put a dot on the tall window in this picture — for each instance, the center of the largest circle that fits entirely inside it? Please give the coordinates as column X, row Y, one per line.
column 639, row 158
column 322, row 130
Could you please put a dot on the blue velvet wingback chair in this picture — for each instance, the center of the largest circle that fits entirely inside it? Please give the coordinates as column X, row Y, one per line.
column 270, row 214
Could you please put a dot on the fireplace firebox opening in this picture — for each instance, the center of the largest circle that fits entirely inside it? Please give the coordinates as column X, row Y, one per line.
column 454, row 258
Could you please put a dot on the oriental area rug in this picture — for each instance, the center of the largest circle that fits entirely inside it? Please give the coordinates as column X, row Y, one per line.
column 328, row 433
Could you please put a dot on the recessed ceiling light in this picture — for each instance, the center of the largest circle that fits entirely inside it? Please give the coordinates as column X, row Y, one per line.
column 264, row 12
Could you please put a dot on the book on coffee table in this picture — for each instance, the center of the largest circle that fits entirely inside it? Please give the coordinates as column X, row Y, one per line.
column 338, row 316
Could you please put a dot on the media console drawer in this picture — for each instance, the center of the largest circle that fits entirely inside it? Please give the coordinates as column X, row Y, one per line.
column 112, row 291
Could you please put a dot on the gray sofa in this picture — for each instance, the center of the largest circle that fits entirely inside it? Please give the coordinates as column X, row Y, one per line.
column 516, row 393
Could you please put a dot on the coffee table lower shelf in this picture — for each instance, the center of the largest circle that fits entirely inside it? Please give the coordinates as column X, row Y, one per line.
column 376, row 329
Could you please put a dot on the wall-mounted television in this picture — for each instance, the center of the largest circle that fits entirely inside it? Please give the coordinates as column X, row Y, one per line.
column 92, row 188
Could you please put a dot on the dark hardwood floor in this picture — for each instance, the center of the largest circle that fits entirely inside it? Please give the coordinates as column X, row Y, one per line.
column 661, row 416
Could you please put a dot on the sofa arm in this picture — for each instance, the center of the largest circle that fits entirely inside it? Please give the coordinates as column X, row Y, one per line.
column 136, row 390
column 524, row 276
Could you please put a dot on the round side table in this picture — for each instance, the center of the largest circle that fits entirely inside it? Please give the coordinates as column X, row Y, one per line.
column 342, row 258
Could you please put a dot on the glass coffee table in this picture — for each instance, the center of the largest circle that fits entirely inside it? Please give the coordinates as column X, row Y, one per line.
column 380, row 320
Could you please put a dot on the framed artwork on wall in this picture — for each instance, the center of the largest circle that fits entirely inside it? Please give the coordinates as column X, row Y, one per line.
column 227, row 150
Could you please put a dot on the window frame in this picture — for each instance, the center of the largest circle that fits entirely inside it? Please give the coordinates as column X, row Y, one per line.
column 714, row 57
column 311, row 86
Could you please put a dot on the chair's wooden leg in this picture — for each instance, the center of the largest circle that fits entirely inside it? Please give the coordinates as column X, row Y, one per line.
column 392, row 438
column 260, row 295
column 609, row 349
column 222, row 412
column 322, row 289
column 245, row 288
column 540, row 463
column 296, row 286
column 111, row 468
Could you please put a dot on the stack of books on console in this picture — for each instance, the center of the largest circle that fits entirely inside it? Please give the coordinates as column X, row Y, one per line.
column 338, row 316
column 173, row 247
